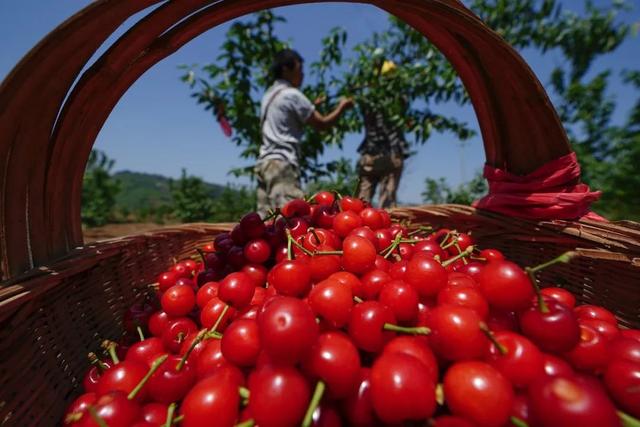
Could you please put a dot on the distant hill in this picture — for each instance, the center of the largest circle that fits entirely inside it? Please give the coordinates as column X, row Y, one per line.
column 143, row 191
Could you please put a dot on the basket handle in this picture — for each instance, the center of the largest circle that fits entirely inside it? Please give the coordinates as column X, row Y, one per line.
column 46, row 140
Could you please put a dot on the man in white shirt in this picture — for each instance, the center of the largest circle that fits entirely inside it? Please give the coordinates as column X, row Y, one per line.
column 284, row 112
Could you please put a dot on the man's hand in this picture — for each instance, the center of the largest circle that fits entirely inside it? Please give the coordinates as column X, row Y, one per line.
column 345, row 103
column 320, row 99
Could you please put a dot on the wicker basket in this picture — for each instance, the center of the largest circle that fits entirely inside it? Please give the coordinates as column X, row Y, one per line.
column 59, row 298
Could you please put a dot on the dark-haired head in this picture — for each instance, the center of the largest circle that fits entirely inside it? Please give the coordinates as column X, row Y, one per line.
column 285, row 60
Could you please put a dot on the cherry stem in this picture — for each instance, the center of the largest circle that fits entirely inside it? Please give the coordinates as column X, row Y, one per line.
column 501, row 348
column 446, row 237
column 440, row 394
column 201, row 252
column 565, row 258
column 272, row 215
column 462, row 254
column 422, row 228
column 313, row 405
column 518, row 422
column 417, row 330
column 290, row 255
column 93, row 359
column 73, row 417
column 170, row 412
column 392, row 247
column 154, row 367
column 178, row 419
column 193, row 345
column 248, row 423
column 328, row 253
column 358, row 299
column 542, row 305
column 140, row 333
column 464, row 259
column 97, row 418
column 628, row 420
column 215, row 326
column 244, row 394
column 291, row 240
column 315, row 235
column 110, row 346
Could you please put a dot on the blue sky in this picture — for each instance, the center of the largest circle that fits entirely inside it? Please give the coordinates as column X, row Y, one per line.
column 157, row 127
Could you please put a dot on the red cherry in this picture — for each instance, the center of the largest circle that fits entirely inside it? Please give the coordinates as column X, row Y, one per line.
column 401, row 298
column 456, row 278
column 291, row 277
column 114, row 409
column 324, row 198
column 176, row 332
column 506, row 286
column 561, row 295
column 631, row 333
column 178, row 300
column 372, row 218
column 345, row 222
column 418, row 348
column 279, row 396
column 464, row 296
column 350, row 280
column 168, row 384
column 146, row 351
column 296, row 207
column 334, row 360
column 609, row 331
column 554, row 366
column 158, row 322
column 585, row 312
column 365, row 232
column 323, row 266
column 398, row 269
column 154, row 413
column 332, row 301
column 622, row 379
column 455, row 333
column 383, row 239
column 211, row 312
column 366, row 325
column 401, row 388
column 479, row 393
column 240, row 343
column 167, row 280
column 206, row 292
column 257, row 251
column 237, row 290
column 556, row 330
column 288, row 329
column 625, row 348
column 349, row 203
column 561, row 401
column 521, row 363
column 359, row 254
column 358, row 406
column 123, row 377
column 491, row 255
column 257, row 273
column 213, row 401
column 210, row 359
column 426, row 275
column 372, row 283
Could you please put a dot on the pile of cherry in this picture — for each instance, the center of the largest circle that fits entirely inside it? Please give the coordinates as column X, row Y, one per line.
column 328, row 314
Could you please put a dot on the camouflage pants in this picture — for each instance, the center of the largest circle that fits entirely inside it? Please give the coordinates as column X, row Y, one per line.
column 382, row 170
column 278, row 182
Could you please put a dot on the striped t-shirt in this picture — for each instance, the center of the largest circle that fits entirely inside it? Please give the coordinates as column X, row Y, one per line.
column 288, row 109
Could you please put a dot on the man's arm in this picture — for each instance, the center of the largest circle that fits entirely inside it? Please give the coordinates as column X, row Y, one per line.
column 322, row 122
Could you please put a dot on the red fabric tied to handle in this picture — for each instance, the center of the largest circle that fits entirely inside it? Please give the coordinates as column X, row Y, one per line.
column 549, row 192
